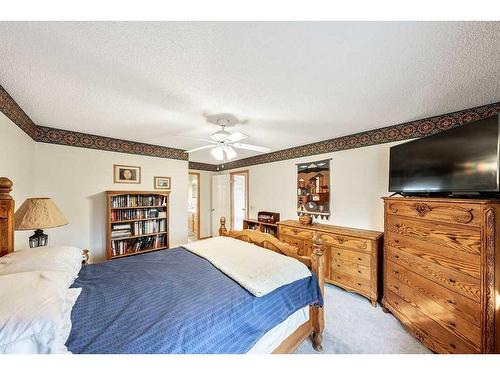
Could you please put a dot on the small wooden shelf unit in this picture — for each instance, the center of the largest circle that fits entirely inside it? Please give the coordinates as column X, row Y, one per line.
column 254, row 224
column 138, row 222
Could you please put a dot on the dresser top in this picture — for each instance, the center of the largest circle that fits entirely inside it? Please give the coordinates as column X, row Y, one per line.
column 445, row 199
column 353, row 232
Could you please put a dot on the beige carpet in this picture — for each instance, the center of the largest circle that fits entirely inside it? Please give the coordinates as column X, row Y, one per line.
column 352, row 325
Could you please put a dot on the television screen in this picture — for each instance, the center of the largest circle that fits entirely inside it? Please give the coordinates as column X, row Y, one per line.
column 460, row 160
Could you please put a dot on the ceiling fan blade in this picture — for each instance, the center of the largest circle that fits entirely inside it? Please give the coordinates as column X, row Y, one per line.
column 236, row 137
column 246, row 146
column 201, row 148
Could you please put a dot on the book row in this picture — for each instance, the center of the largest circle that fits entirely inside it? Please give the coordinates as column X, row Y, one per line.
column 139, row 228
column 138, row 213
column 138, row 200
column 121, row 247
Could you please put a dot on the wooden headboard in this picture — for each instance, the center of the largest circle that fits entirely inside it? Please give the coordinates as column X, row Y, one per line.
column 6, row 217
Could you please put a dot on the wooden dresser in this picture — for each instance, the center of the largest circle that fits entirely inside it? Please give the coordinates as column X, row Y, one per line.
column 352, row 255
column 442, row 271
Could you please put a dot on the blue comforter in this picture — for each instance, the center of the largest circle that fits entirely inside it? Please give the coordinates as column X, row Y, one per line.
column 173, row 301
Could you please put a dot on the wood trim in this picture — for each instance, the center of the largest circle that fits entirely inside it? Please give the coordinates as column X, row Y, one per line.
column 6, row 217
column 245, row 173
column 488, row 343
column 198, row 216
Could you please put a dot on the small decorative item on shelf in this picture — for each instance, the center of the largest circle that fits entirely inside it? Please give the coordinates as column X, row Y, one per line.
column 38, row 214
column 305, row 219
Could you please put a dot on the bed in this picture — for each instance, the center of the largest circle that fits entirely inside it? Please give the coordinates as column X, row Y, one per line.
column 183, row 301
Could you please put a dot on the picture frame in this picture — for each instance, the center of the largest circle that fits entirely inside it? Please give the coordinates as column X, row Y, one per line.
column 126, row 174
column 162, row 183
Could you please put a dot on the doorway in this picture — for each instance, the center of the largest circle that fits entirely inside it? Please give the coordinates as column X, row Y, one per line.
column 239, row 198
column 194, row 206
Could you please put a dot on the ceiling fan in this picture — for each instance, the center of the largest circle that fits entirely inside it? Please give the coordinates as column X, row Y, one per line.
column 224, row 143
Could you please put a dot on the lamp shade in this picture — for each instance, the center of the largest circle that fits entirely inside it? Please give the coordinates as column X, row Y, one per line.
column 38, row 213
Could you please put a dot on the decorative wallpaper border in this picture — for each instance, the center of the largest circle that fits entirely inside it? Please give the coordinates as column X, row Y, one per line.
column 203, row 166
column 399, row 132
column 15, row 113
column 393, row 133
column 70, row 138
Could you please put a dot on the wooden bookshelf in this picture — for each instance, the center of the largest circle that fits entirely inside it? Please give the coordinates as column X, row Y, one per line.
column 138, row 222
column 254, row 224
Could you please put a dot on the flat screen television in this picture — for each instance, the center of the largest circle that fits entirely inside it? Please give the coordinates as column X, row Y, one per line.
column 462, row 160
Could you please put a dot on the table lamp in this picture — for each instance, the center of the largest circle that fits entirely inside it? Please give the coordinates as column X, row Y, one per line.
column 38, row 214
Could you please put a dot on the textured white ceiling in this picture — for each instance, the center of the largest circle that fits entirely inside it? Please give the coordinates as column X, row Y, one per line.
column 294, row 82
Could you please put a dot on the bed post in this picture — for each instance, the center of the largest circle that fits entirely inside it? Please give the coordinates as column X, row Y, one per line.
column 6, row 217
column 317, row 313
column 223, row 229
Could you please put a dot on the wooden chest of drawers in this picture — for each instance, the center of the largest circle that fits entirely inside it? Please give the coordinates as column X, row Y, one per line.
column 352, row 255
column 442, row 271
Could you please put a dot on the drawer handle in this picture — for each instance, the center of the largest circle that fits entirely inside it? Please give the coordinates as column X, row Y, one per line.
column 396, row 256
column 341, row 240
column 359, row 284
column 453, row 324
column 396, row 272
column 359, row 271
column 360, row 259
column 338, row 253
column 453, row 281
column 453, row 345
column 451, row 302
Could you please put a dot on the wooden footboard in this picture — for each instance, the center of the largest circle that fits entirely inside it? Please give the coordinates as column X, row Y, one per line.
column 316, row 324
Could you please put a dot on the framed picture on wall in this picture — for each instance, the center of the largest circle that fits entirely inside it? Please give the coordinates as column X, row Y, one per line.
column 162, row 183
column 126, row 174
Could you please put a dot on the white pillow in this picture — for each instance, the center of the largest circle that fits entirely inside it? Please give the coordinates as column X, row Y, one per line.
column 50, row 258
column 35, row 312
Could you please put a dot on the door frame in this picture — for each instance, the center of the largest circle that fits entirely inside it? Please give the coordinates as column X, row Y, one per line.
column 231, row 199
column 198, row 198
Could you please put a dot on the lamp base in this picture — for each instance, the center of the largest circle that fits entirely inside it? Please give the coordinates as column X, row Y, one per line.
column 39, row 239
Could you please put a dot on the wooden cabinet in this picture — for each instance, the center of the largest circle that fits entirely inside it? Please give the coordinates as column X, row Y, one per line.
column 352, row 255
column 442, row 271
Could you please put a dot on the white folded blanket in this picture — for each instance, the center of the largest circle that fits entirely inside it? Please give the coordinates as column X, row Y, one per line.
column 256, row 269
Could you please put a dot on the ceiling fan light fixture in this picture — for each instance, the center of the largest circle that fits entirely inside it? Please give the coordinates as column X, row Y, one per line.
column 230, row 153
column 218, row 153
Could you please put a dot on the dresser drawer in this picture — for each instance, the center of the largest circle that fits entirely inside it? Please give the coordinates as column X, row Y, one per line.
column 426, row 329
column 296, row 232
column 467, row 240
column 453, row 259
column 351, row 269
column 351, row 256
column 452, row 311
column 450, row 213
column 297, row 242
column 359, row 244
column 458, row 282
column 350, row 282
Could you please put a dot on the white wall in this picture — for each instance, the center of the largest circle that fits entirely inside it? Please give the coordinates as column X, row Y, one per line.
column 205, row 202
column 358, row 179
column 17, row 163
column 77, row 179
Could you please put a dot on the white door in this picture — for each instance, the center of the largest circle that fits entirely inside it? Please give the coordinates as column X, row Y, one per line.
column 239, row 196
column 220, row 201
